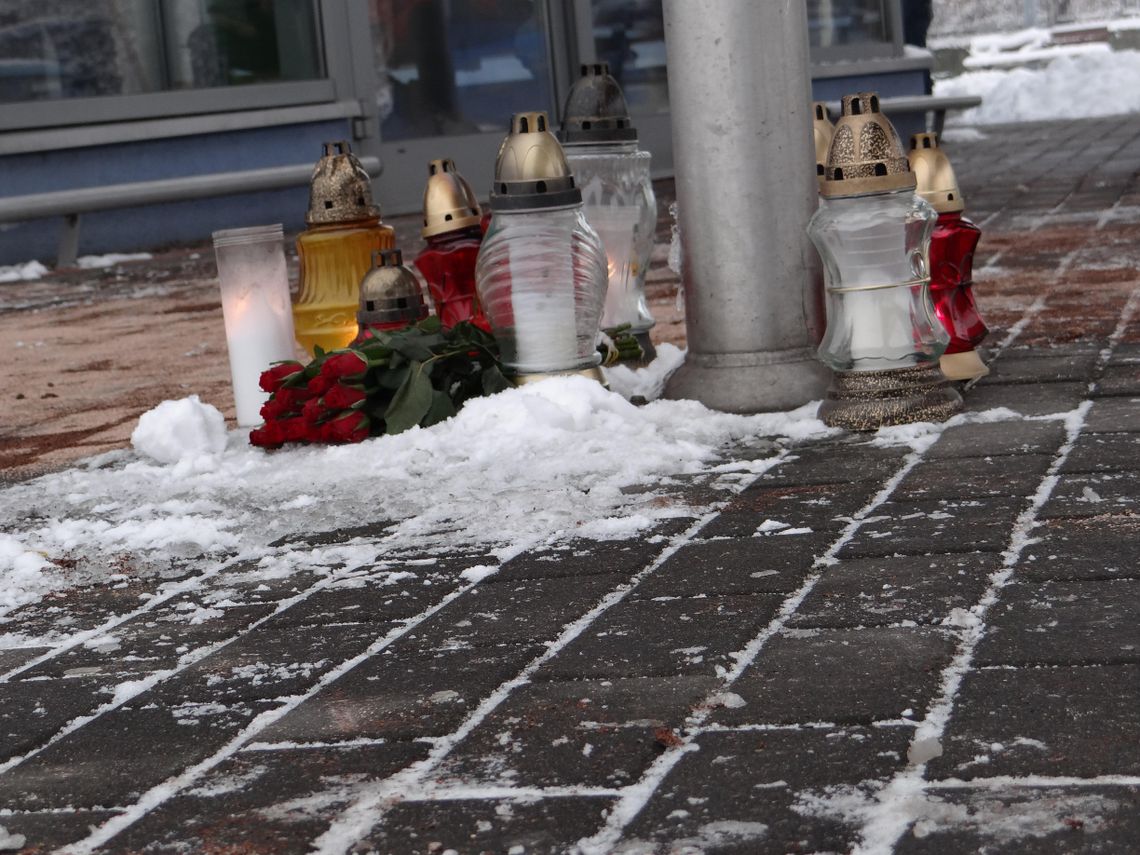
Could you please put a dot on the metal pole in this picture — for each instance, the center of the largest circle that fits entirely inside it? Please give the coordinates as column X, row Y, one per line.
column 740, row 98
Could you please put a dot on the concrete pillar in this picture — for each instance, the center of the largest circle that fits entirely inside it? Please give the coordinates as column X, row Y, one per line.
column 740, row 97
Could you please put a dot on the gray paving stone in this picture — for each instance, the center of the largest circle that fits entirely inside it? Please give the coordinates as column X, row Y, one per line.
column 577, row 559
column 974, row 477
column 121, row 754
column 665, row 637
column 407, row 691
column 516, row 610
column 1041, row 720
column 842, row 676
column 150, row 642
column 264, row 801
column 935, row 527
column 744, row 792
column 48, row 831
column 839, row 462
column 1104, row 452
column 1118, row 380
column 1093, row 494
column 486, row 825
column 1098, row 548
column 1064, row 623
column 601, row 733
column 1029, row 399
column 773, row 563
column 1027, row 820
column 17, row 657
column 1011, row 368
column 996, row 439
column 893, row 589
column 1114, row 415
column 31, row 712
column 365, row 601
column 822, row 507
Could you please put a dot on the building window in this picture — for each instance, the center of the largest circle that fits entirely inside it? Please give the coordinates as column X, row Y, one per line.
column 55, row 49
column 834, row 23
column 630, row 36
column 450, row 67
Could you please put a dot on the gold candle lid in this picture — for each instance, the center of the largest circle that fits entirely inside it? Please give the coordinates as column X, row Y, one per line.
column 449, row 201
column 822, row 130
column 390, row 292
column 866, row 155
column 340, row 190
column 531, row 171
column 937, row 183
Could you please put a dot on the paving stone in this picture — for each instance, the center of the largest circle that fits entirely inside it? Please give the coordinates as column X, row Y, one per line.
column 1114, row 415
column 516, row 610
column 46, row 832
column 119, row 755
column 578, row 559
column 974, row 477
column 934, row 527
column 33, row 711
column 995, row 439
column 75, row 610
column 407, row 691
column 1029, row 399
column 1104, row 452
column 744, row 792
column 1042, row 369
column 486, row 825
column 16, row 657
column 1041, row 720
column 1123, row 380
column 365, row 531
column 841, row 676
column 665, row 636
column 1093, row 494
column 841, row 462
column 1097, row 548
column 1064, row 623
column 264, row 801
column 601, row 733
column 375, row 601
column 893, row 589
column 151, row 642
column 821, row 507
column 1027, row 820
column 773, row 563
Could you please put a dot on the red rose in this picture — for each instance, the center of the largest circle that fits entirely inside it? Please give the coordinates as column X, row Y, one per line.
column 293, row 430
column 320, row 384
column 291, row 399
column 351, row 427
column 313, row 411
column 273, row 378
column 341, row 397
column 348, row 363
column 267, row 436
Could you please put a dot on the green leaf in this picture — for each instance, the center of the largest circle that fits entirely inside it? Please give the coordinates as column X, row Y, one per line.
column 413, row 348
column 318, row 352
column 441, row 408
column 494, row 381
column 393, row 378
column 410, row 403
column 430, row 324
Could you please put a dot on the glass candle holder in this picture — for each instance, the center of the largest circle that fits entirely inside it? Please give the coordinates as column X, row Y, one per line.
column 255, row 306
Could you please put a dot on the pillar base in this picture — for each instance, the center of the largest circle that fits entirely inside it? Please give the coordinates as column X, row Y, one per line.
column 592, row 373
column 963, row 366
column 869, row 400
column 763, row 381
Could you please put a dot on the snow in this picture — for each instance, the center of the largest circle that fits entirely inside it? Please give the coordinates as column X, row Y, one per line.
column 543, row 462
column 181, row 431
column 647, row 382
column 9, row 841
column 98, row 262
column 21, row 273
column 1072, row 85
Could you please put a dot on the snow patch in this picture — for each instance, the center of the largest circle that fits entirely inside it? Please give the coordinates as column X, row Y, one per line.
column 648, row 382
column 183, row 432
column 22, row 272
column 99, row 262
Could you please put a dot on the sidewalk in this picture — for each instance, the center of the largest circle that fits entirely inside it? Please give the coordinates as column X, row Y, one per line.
column 941, row 655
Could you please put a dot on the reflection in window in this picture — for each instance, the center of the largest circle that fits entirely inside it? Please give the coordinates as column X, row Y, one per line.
column 81, row 48
column 458, row 66
column 630, row 36
column 844, row 22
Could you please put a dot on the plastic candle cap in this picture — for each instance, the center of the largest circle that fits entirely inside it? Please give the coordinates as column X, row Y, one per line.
column 340, row 190
column 596, row 111
column 866, row 155
column 531, row 171
column 449, row 201
column 390, row 292
column 822, row 130
column 937, row 183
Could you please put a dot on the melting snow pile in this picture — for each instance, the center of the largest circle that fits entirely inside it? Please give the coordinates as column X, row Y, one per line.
column 525, row 466
column 1025, row 94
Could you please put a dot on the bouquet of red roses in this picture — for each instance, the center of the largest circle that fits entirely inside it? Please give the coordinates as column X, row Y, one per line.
column 394, row 381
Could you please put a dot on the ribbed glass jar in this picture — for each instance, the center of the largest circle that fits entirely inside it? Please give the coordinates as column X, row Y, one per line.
column 879, row 310
column 618, row 201
column 541, row 279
